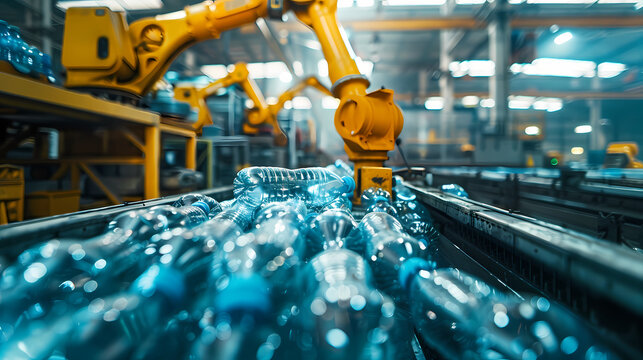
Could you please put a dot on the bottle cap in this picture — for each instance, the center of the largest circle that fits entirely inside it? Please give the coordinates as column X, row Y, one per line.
column 164, row 280
column 202, row 205
column 380, row 198
column 411, row 267
column 349, row 183
column 245, row 293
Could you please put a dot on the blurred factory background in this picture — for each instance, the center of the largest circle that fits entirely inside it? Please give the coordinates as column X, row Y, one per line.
column 570, row 71
column 573, row 71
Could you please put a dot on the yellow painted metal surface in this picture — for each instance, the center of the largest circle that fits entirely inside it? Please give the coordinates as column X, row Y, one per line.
column 629, row 149
column 27, row 94
column 152, row 166
column 371, row 176
column 12, row 192
column 48, row 203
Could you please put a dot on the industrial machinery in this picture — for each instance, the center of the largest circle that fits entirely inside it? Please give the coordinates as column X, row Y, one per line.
column 128, row 60
column 260, row 114
column 622, row 155
column 239, row 75
column 254, row 121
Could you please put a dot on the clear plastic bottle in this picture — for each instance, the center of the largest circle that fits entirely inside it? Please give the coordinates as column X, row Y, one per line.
column 5, row 41
column 341, row 168
column 341, row 315
column 417, row 222
column 378, row 200
column 461, row 317
column 189, row 199
column 328, row 230
column 315, row 186
column 146, row 222
column 167, row 287
column 18, row 51
column 402, row 193
column 454, row 189
column 387, row 248
column 258, row 268
column 342, row 202
column 79, row 271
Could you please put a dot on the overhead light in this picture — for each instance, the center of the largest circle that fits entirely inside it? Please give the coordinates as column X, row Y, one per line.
column 365, row 66
column 583, row 129
column 563, row 38
column 301, row 103
column 557, row 67
column 115, row 5
column 215, row 71
column 344, row 3
column 271, row 100
column 322, row 68
column 532, row 130
column 288, row 105
column 561, row 1
column 365, row 3
column 487, row 103
column 610, row 69
column 285, row 77
column 475, row 68
column 267, row 70
column 617, row 1
column 312, row 44
column 329, row 102
column 520, row 102
column 516, row 2
column 578, row 150
column 470, row 101
column 249, row 104
column 548, row 104
column 413, row 2
column 434, row 103
column 298, row 67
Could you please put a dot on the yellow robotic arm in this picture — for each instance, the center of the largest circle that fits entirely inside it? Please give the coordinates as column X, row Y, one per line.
column 101, row 52
column 256, row 118
column 239, row 75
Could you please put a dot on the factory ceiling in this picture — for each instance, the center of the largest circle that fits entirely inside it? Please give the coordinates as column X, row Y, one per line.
column 403, row 44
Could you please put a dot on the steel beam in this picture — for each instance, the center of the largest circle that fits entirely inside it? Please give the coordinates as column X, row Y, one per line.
column 433, row 23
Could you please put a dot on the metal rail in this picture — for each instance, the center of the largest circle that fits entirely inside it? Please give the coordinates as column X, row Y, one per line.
column 601, row 281
column 16, row 237
column 608, row 211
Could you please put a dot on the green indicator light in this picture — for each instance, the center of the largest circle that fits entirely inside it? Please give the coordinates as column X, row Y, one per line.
column 554, row 161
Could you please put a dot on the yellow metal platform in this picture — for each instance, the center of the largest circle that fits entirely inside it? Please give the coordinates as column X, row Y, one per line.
column 120, row 133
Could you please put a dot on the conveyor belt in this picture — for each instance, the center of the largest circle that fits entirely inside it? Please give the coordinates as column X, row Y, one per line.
column 16, row 237
column 599, row 209
column 601, row 281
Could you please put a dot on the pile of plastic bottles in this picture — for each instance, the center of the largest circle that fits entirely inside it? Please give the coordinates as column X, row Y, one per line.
column 24, row 58
column 282, row 271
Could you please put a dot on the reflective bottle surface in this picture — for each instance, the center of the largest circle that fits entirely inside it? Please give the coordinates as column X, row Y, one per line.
column 341, row 314
column 315, row 186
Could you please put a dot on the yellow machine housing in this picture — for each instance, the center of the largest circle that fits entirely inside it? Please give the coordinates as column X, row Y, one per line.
column 100, row 51
column 622, row 155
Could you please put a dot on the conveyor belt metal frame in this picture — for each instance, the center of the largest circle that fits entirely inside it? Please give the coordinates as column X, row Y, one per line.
column 601, row 281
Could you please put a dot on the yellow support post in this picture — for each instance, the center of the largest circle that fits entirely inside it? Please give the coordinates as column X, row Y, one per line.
column 190, row 153
column 152, row 157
